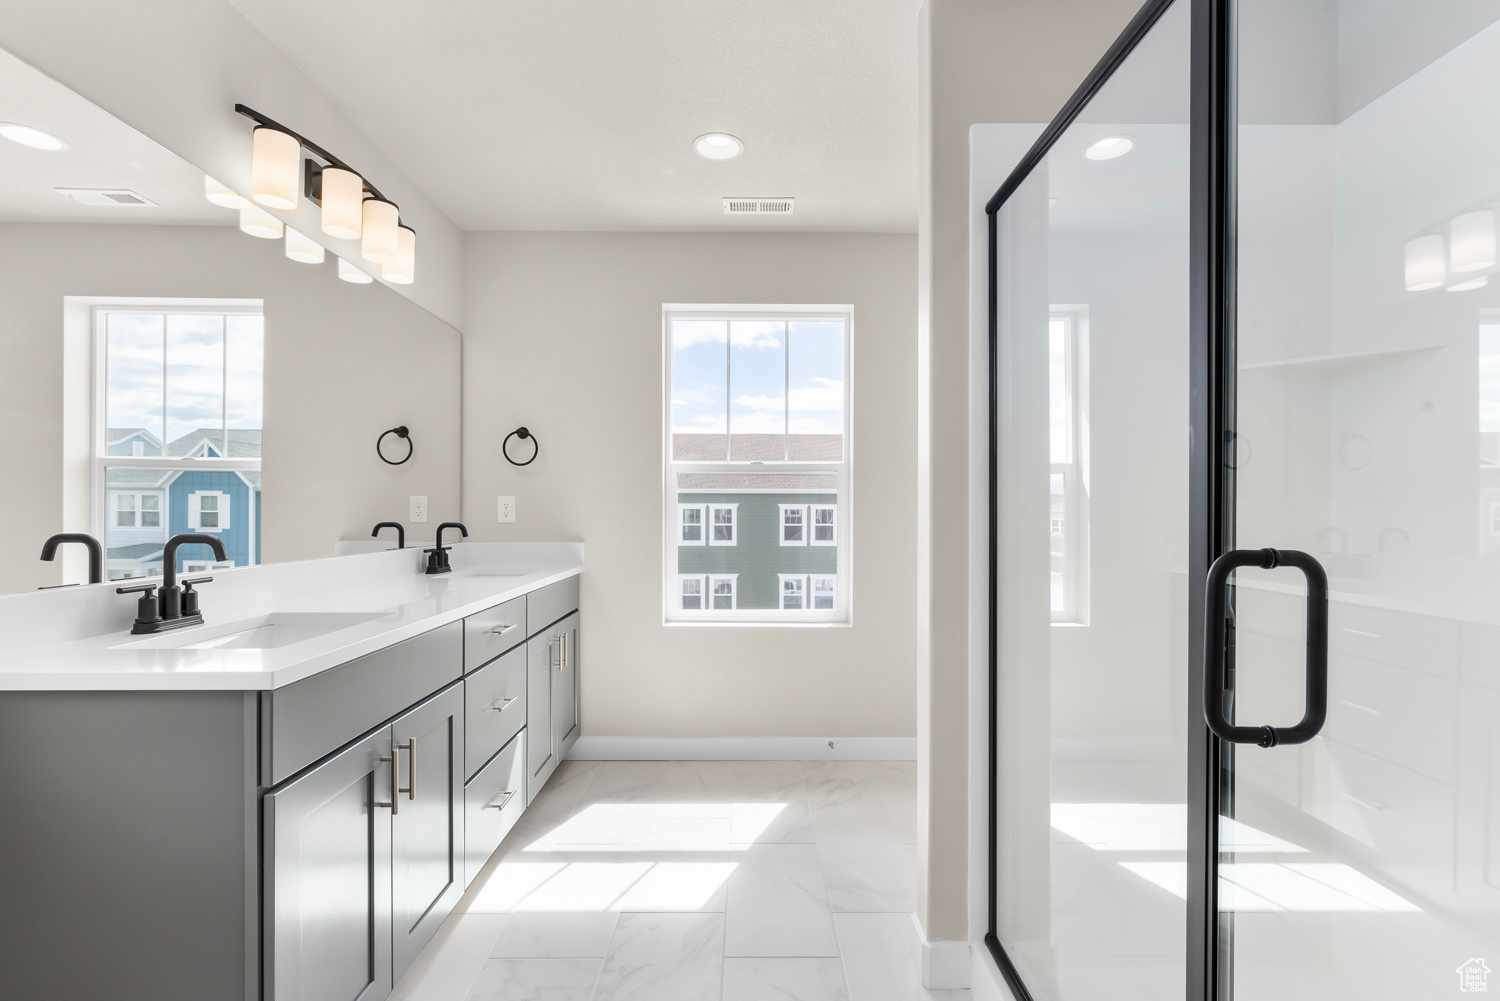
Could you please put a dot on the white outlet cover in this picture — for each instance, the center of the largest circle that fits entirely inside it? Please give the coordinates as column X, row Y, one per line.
column 505, row 510
column 418, row 507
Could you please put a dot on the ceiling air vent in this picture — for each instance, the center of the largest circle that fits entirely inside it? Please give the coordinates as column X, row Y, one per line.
column 104, row 196
column 759, row 206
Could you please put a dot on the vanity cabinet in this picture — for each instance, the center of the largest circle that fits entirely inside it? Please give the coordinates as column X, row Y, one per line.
column 552, row 699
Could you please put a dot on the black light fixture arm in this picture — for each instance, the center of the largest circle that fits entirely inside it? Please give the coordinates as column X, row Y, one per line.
column 308, row 144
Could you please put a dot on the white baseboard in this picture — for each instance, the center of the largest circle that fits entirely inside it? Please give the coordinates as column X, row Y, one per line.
column 745, row 749
column 941, row 964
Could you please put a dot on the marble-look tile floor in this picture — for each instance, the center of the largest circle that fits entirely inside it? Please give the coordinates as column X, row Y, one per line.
column 693, row 880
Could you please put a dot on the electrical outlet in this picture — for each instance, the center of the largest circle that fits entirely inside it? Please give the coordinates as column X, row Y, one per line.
column 418, row 508
column 507, row 510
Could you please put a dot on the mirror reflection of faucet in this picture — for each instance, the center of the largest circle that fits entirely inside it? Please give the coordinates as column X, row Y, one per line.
column 1341, row 562
column 437, row 557
column 400, row 532
column 96, row 552
column 175, row 606
column 1380, row 540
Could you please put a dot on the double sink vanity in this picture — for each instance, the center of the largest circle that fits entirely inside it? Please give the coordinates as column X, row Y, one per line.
column 285, row 802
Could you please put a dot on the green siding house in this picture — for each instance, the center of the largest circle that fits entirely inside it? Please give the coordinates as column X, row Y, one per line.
column 756, row 550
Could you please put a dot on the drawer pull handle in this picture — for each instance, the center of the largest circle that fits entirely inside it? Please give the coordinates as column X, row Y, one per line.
column 501, row 805
column 395, row 759
column 503, row 705
column 1363, row 709
column 1370, row 805
column 505, row 629
column 410, row 747
column 1361, row 632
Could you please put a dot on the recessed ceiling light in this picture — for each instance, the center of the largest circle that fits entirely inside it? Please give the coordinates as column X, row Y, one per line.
column 1109, row 147
column 28, row 136
column 718, row 146
column 1479, row 282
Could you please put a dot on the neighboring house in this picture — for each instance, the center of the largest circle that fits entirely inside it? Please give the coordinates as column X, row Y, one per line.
column 146, row 507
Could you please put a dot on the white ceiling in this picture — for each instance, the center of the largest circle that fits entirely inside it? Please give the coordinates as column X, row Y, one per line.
column 580, row 114
column 102, row 152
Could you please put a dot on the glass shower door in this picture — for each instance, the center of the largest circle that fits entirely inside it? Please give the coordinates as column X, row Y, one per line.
column 1365, row 863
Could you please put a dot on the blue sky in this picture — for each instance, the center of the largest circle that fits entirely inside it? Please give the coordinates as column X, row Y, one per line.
column 196, row 373
column 753, row 354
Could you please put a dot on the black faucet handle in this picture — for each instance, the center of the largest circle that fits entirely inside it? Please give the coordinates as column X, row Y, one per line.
column 190, row 597
column 196, row 580
column 138, row 587
column 147, row 610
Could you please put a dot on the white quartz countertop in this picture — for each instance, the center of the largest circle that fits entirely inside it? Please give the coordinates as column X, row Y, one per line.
column 323, row 613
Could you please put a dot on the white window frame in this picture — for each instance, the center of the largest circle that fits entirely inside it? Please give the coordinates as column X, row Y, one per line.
column 712, row 526
column 734, row 590
column 702, row 581
column 812, row 523
column 702, row 510
column 223, row 507
column 781, row 526
column 205, row 566
column 843, row 521
column 138, row 499
column 812, row 588
column 1074, row 471
column 100, row 507
column 781, row 594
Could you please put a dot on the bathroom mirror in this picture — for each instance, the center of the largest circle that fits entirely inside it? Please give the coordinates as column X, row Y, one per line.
column 163, row 371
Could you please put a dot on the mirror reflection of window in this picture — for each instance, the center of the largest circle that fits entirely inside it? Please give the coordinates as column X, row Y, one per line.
column 1067, row 556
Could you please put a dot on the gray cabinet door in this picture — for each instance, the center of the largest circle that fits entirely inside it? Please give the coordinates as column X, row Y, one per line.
column 541, row 654
column 327, row 902
column 565, row 687
column 427, row 832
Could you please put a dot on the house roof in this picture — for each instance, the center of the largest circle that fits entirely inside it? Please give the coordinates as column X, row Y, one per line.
column 118, row 434
column 136, row 551
column 767, row 447
column 738, row 482
column 244, row 443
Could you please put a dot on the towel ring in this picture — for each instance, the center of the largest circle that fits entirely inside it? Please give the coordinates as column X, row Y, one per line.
column 399, row 432
column 523, row 434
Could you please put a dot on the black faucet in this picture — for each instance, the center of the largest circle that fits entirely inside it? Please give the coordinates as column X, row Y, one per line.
column 400, row 532
column 96, row 552
column 177, row 606
column 437, row 557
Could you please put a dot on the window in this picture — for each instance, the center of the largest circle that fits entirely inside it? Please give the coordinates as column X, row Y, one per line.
column 755, row 432
column 824, row 523
column 710, row 592
column 722, row 523
column 177, row 431
column 691, row 525
column 1067, row 445
column 203, row 566
column 793, row 525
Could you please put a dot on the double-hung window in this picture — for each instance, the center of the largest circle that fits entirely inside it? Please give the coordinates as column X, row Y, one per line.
column 1067, row 383
column 177, row 432
column 757, row 447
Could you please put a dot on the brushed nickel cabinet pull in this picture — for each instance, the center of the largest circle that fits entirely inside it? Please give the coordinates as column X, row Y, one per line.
column 501, row 805
column 410, row 747
column 395, row 761
column 505, row 629
column 503, row 705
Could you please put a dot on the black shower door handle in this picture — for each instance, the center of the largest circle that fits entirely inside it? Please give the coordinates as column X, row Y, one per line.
column 1215, row 633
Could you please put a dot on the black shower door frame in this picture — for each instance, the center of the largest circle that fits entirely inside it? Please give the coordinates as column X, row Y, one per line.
column 1210, row 480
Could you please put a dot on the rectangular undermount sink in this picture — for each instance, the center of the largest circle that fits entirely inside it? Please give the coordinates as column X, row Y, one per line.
column 264, row 632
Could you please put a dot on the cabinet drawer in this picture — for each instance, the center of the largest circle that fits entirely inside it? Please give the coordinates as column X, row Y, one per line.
column 1416, row 642
column 546, row 605
column 493, row 802
column 494, row 707
column 307, row 719
column 494, row 631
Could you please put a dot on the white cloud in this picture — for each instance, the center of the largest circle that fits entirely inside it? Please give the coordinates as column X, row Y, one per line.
column 686, row 333
column 762, row 402
column 828, row 394
column 755, row 334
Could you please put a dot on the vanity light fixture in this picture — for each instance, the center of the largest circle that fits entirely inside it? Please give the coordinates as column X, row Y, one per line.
column 1471, row 241
column 1472, row 283
column 273, row 168
column 402, row 271
column 350, row 207
column 718, row 146
column 28, row 136
column 257, row 221
column 353, row 275
column 303, row 249
column 1109, row 147
column 1426, row 263
column 223, row 195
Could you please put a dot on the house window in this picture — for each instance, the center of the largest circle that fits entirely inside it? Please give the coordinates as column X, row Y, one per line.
column 824, row 523
column 690, row 591
column 755, row 429
column 1067, row 399
column 177, row 430
column 793, row 592
column 793, row 525
column 722, row 592
column 808, row 592
column 712, row 592
column 722, row 522
column 203, row 566
column 691, row 525
column 824, row 591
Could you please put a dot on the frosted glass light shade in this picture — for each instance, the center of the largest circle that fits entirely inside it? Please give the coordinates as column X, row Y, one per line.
column 350, row 273
column 378, row 242
column 273, row 169
column 222, row 194
column 258, row 222
column 1471, row 241
column 1426, row 263
column 302, row 248
column 343, row 191
column 403, row 271
column 1472, row 283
